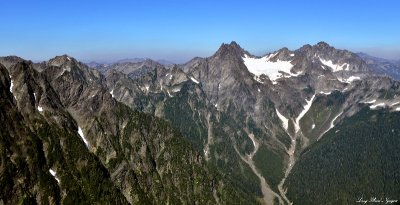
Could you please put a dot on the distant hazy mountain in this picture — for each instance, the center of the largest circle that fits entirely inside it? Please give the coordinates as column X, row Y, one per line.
column 133, row 67
column 316, row 125
column 383, row 66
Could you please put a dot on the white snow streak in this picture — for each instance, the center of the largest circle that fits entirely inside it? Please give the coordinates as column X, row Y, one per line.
column 305, row 110
column 112, row 93
column 313, row 126
column 80, row 132
column 194, row 80
column 169, row 94
column 285, row 121
column 11, row 85
column 398, row 109
column 393, row 104
column 325, row 93
column 52, row 172
column 370, row 102
column 377, row 105
column 40, row 109
column 353, row 78
column 251, row 136
column 349, row 80
column 332, row 125
column 335, row 67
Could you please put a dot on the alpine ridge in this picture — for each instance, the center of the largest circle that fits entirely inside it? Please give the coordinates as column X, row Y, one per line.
column 232, row 128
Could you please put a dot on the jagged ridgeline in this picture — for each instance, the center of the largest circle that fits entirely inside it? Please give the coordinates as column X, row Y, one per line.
column 290, row 127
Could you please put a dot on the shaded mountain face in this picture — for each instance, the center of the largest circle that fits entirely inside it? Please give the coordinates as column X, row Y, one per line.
column 229, row 128
column 67, row 140
column 382, row 66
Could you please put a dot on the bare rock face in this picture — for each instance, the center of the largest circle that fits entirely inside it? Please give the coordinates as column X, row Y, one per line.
column 9, row 61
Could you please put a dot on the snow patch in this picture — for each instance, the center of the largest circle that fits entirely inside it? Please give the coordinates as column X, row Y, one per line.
column 68, row 58
column 80, row 132
column 259, row 90
column 325, row 93
column 11, row 85
column 370, row 102
column 292, row 54
column 393, row 104
column 40, row 109
column 194, row 80
column 313, row 126
column 335, row 67
column 216, row 105
column 205, row 152
column 332, row 125
column 251, row 136
column 169, row 94
column 353, row 78
column 112, row 93
column 256, row 78
column 377, row 105
column 273, row 70
column 54, row 174
column 349, row 80
column 175, row 90
column 285, row 121
column 398, row 109
column 34, row 95
column 305, row 110
column 64, row 70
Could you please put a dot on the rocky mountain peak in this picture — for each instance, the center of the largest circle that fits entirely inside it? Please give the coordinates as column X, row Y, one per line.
column 323, row 44
column 282, row 54
column 9, row 61
column 62, row 60
column 305, row 48
column 230, row 49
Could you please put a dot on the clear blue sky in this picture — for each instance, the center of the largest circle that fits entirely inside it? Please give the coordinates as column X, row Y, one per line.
column 179, row 30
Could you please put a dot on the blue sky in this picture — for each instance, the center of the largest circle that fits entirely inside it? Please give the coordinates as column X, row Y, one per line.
column 178, row 30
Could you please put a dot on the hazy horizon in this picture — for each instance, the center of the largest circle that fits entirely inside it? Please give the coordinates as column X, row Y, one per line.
column 177, row 30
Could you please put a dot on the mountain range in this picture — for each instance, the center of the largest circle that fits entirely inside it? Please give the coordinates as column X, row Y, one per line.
column 316, row 125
